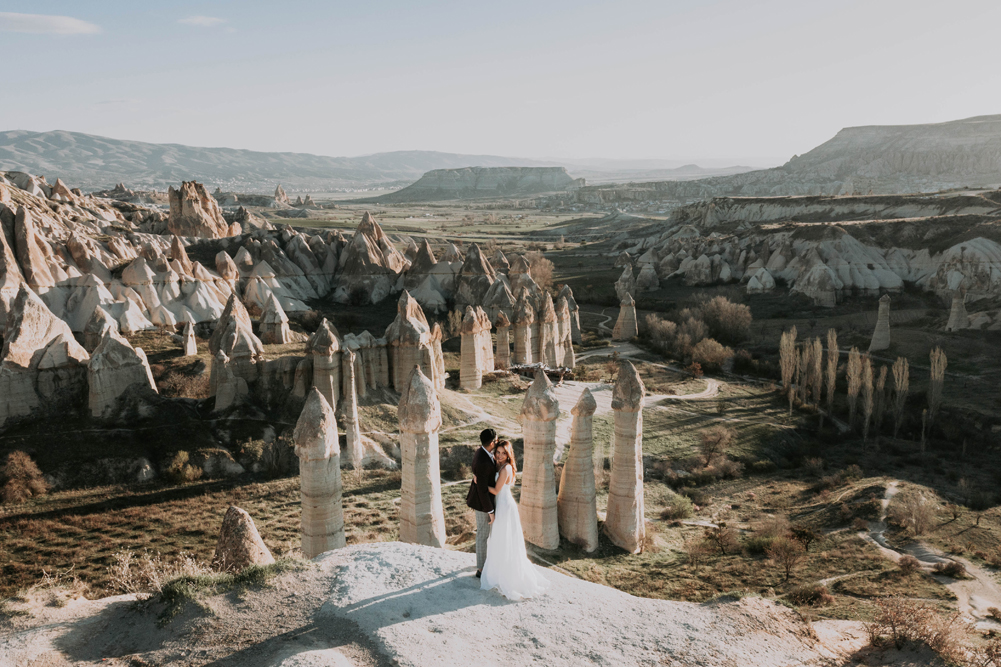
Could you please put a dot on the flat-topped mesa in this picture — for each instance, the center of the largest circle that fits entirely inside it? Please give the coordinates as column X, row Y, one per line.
column 349, row 410
column 325, row 347
column 368, row 265
column 958, row 317
column 319, row 452
column 881, row 335
column 624, row 521
column 626, row 284
column 575, row 334
column 577, row 506
column 116, row 369
column 625, row 325
column 422, row 519
column 524, row 318
column 538, row 484
column 193, row 212
column 410, row 342
column 502, row 358
column 274, row 324
column 41, row 365
column 239, row 545
column 471, row 359
column 475, row 278
column 548, row 333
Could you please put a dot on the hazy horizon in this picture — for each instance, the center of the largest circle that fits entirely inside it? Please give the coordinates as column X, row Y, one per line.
column 716, row 83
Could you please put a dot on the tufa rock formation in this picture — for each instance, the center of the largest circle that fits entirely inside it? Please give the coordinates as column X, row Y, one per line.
column 116, row 368
column 624, row 521
column 576, row 505
column 325, row 347
column 472, row 361
column 958, row 317
column 193, row 212
column 502, row 358
column 881, row 335
column 422, row 520
column 319, row 452
column 239, row 545
column 538, row 483
column 349, row 409
column 625, row 325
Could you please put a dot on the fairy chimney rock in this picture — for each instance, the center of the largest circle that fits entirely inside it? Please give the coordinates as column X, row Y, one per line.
column 188, row 340
column 538, row 495
column 625, row 325
column 316, row 444
column 239, row 545
column 325, row 347
column 624, row 521
column 349, row 408
column 194, row 212
column 502, row 357
column 471, row 356
column 577, row 506
column 422, row 519
column 958, row 317
column 116, row 368
column 881, row 335
column 274, row 323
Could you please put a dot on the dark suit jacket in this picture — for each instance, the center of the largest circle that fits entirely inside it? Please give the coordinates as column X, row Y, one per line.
column 479, row 496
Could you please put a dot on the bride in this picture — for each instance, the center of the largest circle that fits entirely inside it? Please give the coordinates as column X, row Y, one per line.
column 508, row 568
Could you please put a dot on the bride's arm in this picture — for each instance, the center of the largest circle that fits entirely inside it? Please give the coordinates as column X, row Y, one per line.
column 501, row 481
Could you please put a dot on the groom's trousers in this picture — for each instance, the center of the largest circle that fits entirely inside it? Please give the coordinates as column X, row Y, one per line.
column 482, row 533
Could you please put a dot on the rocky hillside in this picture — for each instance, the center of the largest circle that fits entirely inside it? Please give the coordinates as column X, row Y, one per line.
column 476, row 182
column 881, row 159
column 97, row 163
column 400, row 604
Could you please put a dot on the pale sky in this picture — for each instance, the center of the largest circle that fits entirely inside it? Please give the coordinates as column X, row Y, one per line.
column 743, row 81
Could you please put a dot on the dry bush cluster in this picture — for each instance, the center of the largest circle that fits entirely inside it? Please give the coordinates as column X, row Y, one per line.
column 900, row 620
column 20, row 478
column 179, row 471
column 147, row 572
column 701, row 334
column 912, row 510
column 541, row 269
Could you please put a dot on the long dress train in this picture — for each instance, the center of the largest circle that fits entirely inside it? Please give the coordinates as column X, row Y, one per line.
column 507, row 568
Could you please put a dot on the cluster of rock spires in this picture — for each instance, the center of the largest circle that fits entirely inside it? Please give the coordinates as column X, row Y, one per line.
column 756, row 242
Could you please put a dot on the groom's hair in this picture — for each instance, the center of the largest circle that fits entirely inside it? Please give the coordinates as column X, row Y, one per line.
column 487, row 436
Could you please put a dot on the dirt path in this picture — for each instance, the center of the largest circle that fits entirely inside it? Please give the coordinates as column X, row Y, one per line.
column 974, row 596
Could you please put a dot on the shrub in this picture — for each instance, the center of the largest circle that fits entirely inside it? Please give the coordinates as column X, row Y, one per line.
column 662, row 333
column 814, row 467
column 758, row 545
column 727, row 321
column 695, row 368
column 722, row 537
column 715, row 442
column 697, row 550
column 951, row 568
column 179, row 471
column 541, row 269
column 913, row 510
column 677, row 507
column 900, row 620
column 710, row 354
column 21, row 478
column 804, row 535
column 908, row 565
column 785, row 553
column 811, row 594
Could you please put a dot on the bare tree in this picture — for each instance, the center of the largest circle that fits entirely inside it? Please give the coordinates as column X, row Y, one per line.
column 787, row 357
column 786, row 553
column 938, row 365
column 715, row 442
column 866, row 397
column 541, row 269
column 817, row 372
column 854, row 373
column 901, row 385
column 880, row 406
column 832, row 368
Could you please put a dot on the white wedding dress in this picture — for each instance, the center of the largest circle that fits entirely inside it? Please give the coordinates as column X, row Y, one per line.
column 507, row 568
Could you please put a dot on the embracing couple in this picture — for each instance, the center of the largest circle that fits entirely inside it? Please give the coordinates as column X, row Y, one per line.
column 501, row 559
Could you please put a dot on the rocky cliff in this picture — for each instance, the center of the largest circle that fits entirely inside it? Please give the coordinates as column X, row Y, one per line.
column 475, row 182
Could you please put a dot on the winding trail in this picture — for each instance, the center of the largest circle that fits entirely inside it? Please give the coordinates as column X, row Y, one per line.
column 975, row 596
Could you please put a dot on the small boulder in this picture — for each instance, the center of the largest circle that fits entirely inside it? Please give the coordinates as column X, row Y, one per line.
column 240, row 545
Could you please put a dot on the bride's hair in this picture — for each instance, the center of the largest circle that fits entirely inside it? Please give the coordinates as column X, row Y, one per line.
column 506, row 446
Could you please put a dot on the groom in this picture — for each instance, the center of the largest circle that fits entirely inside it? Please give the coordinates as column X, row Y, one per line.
column 479, row 497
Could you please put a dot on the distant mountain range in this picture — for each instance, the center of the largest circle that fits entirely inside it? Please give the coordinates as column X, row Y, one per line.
column 882, row 159
column 96, row 163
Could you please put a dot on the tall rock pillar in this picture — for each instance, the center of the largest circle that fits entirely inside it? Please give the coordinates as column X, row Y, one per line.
column 624, row 522
column 326, row 349
column 881, row 335
column 577, row 505
column 625, row 326
column 548, row 333
column 502, row 359
column 538, row 483
column 575, row 335
column 422, row 520
column 349, row 410
column 319, row 453
column 471, row 358
column 524, row 316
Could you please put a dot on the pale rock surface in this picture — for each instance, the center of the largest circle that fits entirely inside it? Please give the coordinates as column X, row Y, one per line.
column 576, row 505
column 524, row 318
column 410, row 341
column 325, row 346
column 625, row 326
column 274, row 324
column 349, row 409
column 115, row 368
column 422, row 520
column 475, row 278
column 626, row 284
column 549, row 334
column 229, row 389
column 240, row 545
column 369, row 265
column 190, row 344
column 99, row 324
column 502, row 358
column 539, row 412
column 575, row 333
column 881, row 335
column 624, row 520
column 471, row 361
column 316, row 445
column 193, row 212
column 958, row 317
